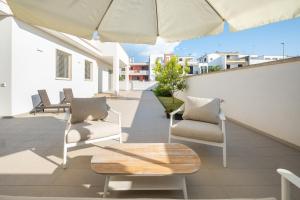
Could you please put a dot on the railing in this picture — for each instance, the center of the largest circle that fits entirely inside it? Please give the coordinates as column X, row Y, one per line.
column 136, row 72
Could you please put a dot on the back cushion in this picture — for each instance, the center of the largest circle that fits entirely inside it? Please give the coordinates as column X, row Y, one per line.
column 88, row 109
column 44, row 97
column 202, row 109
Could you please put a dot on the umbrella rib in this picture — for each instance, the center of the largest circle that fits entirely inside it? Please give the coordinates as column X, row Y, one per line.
column 157, row 29
column 214, row 9
column 104, row 14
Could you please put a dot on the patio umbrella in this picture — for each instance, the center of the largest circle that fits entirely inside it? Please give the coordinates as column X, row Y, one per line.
column 142, row 21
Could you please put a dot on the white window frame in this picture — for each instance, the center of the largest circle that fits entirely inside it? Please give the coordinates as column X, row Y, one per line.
column 69, row 66
column 91, row 70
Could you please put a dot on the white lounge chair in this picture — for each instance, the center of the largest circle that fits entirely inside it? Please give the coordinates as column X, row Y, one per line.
column 91, row 121
column 203, row 122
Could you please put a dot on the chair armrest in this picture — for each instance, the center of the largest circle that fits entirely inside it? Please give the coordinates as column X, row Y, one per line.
column 181, row 108
column 291, row 177
column 113, row 116
column 67, row 116
column 222, row 116
column 287, row 178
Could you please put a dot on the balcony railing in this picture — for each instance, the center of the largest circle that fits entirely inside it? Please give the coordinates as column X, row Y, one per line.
column 136, row 72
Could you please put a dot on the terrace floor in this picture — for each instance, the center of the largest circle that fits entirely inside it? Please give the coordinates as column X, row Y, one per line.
column 31, row 153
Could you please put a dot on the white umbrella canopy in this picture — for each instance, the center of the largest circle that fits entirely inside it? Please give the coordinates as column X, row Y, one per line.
column 142, row 21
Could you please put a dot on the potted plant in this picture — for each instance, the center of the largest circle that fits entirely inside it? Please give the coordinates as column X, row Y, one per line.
column 171, row 77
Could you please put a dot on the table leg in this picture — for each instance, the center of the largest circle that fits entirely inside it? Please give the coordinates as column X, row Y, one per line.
column 106, row 186
column 184, row 189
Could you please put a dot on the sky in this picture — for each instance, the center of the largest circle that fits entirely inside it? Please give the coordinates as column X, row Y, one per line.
column 264, row 40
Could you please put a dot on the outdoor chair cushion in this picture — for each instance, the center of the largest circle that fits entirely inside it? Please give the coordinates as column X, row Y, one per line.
column 89, row 130
column 68, row 93
column 88, row 109
column 198, row 130
column 202, row 109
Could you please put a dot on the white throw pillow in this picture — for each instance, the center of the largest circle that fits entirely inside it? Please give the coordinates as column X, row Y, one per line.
column 202, row 109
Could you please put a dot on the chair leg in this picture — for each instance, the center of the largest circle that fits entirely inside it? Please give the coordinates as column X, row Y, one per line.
column 170, row 138
column 120, row 138
column 224, row 156
column 64, row 165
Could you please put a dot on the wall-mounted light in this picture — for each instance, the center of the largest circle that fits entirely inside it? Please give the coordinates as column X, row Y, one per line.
column 4, row 84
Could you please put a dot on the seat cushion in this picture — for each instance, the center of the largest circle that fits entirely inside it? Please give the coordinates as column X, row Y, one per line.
column 89, row 130
column 198, row 130
column 202, row 109
column 88, row 109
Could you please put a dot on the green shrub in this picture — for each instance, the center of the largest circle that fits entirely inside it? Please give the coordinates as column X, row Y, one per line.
column 214, row 68
column 162, row 91
column 171, row 77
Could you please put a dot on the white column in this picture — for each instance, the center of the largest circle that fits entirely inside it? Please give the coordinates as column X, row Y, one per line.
column 116, row 73
column 127, row 77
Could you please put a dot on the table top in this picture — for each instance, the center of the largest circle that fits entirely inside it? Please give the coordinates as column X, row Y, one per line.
column 146, row 159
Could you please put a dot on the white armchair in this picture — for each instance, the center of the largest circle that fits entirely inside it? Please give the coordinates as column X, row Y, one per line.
column 206, row 131
column 91, row 131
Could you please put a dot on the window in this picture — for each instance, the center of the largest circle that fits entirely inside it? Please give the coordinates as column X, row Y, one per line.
column 227, row 66
column 88, row 70
column 240, row 65
column 63, row 65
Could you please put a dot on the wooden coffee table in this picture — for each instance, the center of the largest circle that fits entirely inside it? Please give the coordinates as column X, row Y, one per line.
column 146, row 166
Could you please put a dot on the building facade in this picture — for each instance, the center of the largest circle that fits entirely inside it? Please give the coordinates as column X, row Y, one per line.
column 191, row 62
column 139, row 71
column 32, row 58
column 230, row 60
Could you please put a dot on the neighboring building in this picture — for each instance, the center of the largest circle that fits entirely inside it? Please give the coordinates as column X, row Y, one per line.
column 255, row 59
column 138, row 71
column 225, row 60
column 191, row 62
column 230, row 60
column 32, row 58
column 167, row 57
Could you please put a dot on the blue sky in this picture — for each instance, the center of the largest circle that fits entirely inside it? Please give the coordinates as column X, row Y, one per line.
column 264, row 40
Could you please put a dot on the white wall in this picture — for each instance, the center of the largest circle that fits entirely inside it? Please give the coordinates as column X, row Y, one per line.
column 264, row 97
column 220, row 61
column 5, row 63
column 34, row 66
column 104, row 77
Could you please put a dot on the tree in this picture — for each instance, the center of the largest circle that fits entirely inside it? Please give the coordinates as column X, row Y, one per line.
column 171, row 75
